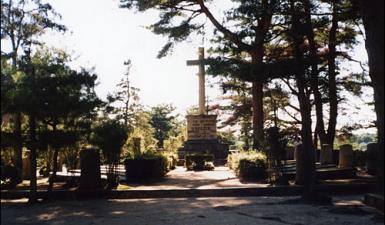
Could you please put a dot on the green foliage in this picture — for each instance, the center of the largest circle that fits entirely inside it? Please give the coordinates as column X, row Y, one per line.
column 162, row 121
column 141, row 129
column 199, row 161
column 110, row 137
column 249, row 164
column 148, row 166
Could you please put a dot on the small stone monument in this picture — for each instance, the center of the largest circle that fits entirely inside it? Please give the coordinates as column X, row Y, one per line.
column 90, row 169
column 137, row 145
column 346, row 156
column 326, row 155
column 371, row 156
column 202, row 128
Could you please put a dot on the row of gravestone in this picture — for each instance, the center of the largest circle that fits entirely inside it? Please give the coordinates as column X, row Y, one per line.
column 90, row 176
column 344, row 157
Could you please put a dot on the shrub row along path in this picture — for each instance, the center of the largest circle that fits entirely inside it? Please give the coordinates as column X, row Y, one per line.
column 191, row 211
column 180, row 179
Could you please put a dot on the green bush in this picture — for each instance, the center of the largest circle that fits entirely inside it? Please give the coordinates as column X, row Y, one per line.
column 10, row 175
column 147, row 166
column 249, row 164
column 199, row 162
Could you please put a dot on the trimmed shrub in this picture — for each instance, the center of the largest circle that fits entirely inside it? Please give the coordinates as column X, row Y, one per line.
column 10, row 175
column 147, row 166
column 199, row 162
column 249, row 165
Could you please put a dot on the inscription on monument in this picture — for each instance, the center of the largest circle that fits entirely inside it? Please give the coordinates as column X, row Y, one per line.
column 201, row 127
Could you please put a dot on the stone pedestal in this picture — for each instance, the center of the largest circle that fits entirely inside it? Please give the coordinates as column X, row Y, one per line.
column 346, row 156
column 90, row 169
column 202, row 138
column 371, row 156
column 326, row 155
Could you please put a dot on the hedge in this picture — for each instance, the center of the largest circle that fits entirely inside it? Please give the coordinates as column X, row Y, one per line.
column 199, row 161
column 147, row 166
column 249, row 165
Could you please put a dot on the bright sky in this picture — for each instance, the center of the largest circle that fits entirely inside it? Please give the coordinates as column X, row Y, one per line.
column 103, row 36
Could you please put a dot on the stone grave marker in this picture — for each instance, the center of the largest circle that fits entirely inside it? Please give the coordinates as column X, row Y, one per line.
column 90, row 169
column 371, row 156
column 326, row 154
column 346, row 156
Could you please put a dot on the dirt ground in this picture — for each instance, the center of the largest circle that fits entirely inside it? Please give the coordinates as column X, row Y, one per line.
column 190, row 211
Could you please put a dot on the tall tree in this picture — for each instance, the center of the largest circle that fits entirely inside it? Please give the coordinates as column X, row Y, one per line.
column 373, row 18
column 162, row 121
column 57, row 97
column 253, row 19
column 21, row 22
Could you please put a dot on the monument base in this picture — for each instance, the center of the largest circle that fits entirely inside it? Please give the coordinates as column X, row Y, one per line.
column 220, row 151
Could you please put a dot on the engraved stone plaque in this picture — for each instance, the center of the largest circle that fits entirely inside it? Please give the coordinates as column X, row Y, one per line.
column 201, row 127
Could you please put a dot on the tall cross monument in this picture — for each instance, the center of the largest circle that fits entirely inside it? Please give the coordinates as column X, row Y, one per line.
column 201, row 75
column 202, row 128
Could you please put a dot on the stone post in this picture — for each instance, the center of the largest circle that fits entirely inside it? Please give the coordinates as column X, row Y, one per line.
column 326, row 155
column 90, row 169
column 371, row 156
column 346, row 156
column 137, row 146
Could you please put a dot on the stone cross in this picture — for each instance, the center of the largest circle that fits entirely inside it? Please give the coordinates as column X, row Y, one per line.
column 201, row 63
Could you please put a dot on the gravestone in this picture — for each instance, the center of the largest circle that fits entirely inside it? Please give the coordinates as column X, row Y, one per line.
column 371, row 156
column 90, row 169
column 202, row 128
column 326, row 155
column 346, row 156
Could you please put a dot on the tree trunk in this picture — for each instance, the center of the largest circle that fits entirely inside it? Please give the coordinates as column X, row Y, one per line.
column 33, row 156
column 52, row 178
column 373, row 18
column 308, row 162
column 314, row 75
column 33, row 151
column 18, row 144
column 333, row 111
column 257, row 102
column 17, row 129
